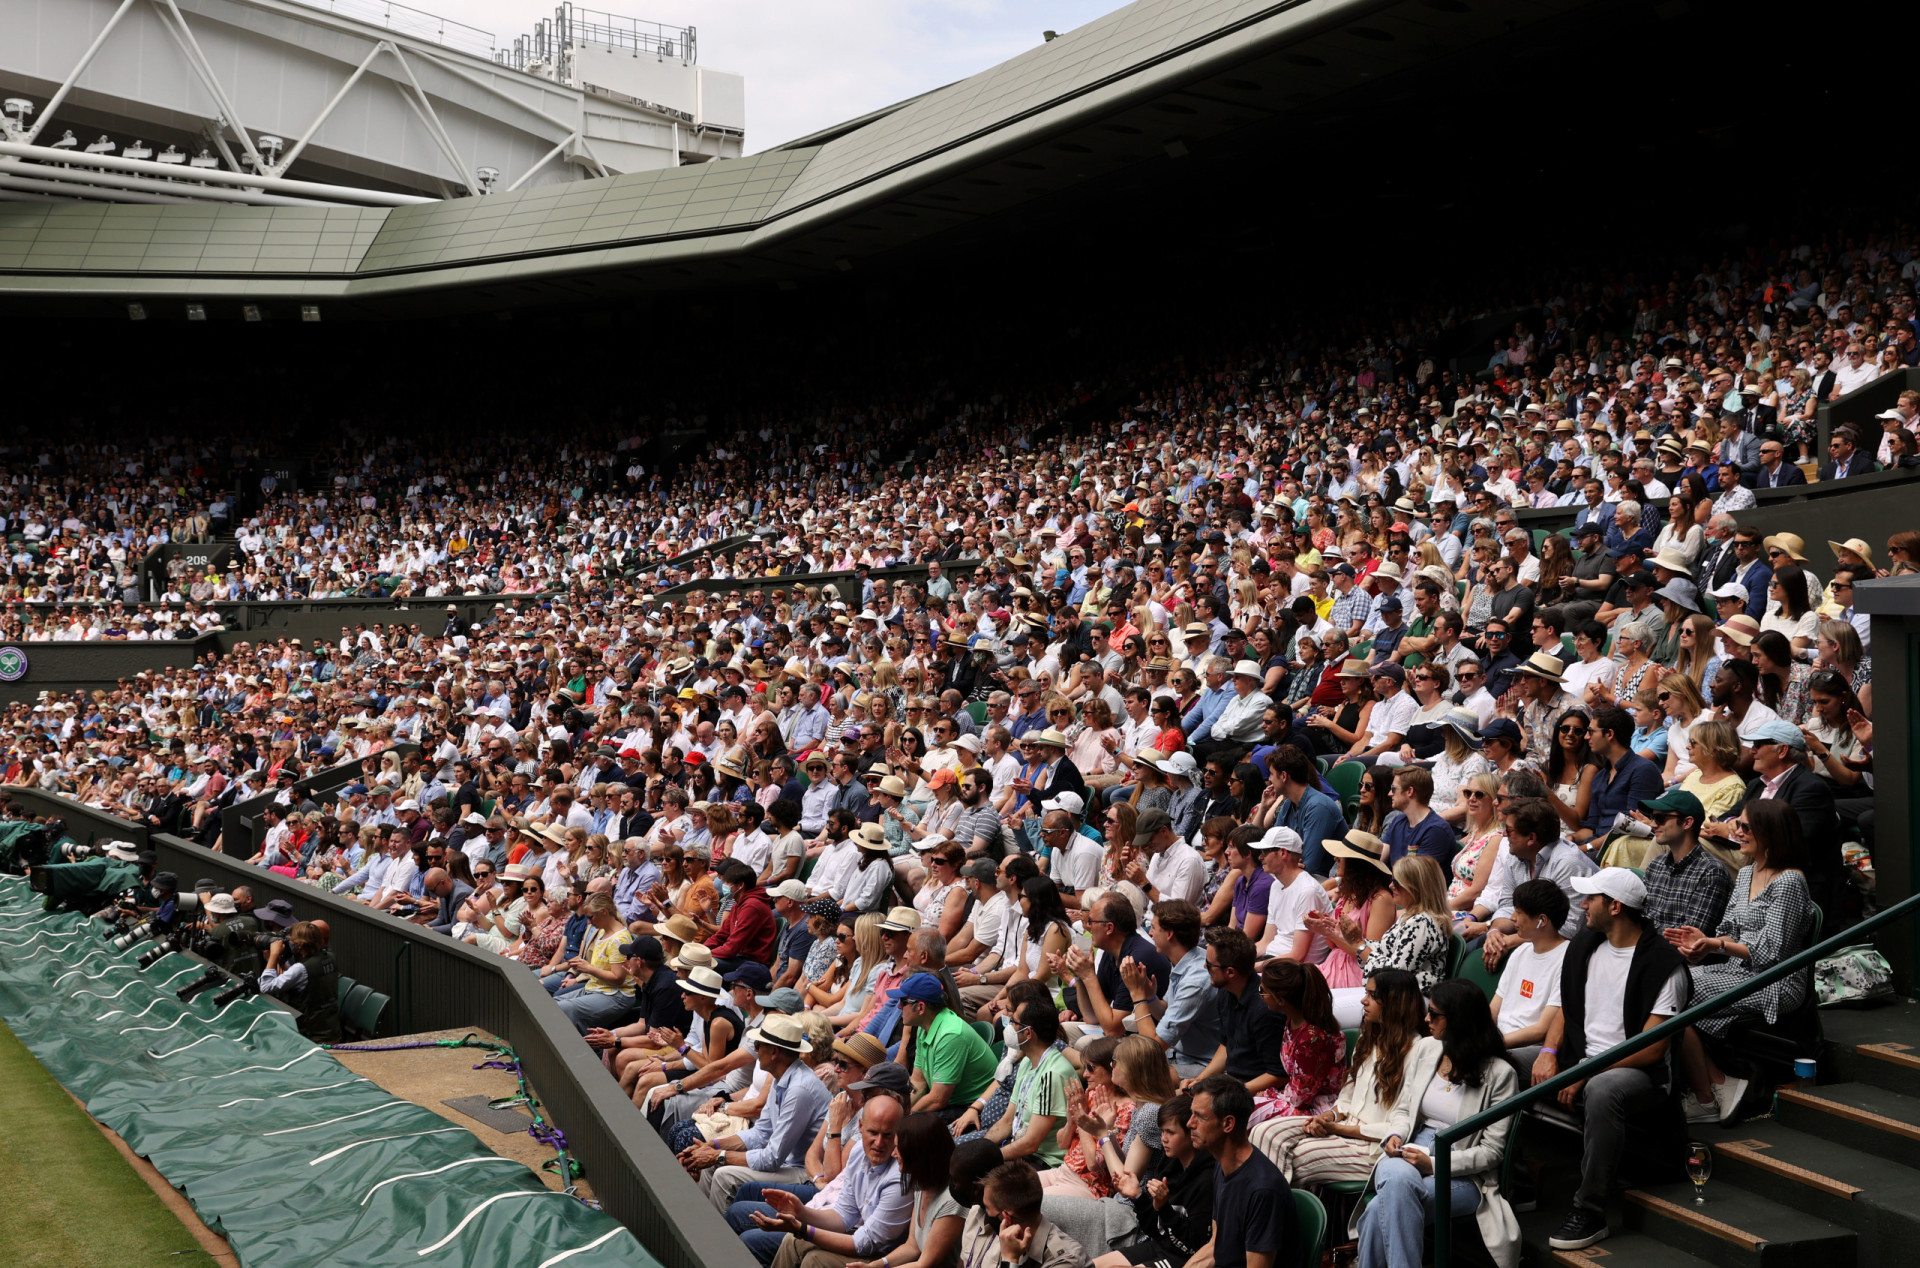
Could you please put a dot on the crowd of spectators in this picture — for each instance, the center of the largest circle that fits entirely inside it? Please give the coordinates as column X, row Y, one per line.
column 1123, row 862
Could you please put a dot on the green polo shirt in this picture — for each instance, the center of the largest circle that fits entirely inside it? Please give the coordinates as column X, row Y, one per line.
column 1419, row 627
column 948, row 1050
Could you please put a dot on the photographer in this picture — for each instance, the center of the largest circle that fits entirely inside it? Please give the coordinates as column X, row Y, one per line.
column 235, row 936
column 310, row 982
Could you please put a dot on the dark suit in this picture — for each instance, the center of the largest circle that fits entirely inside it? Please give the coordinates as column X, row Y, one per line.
column 1756, row 577
column 1858, row 465
column 1811, row 799
column 1066, row 777
column 1780, row 477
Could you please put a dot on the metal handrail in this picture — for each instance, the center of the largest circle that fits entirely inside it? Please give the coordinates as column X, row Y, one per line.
column 1443, row 1140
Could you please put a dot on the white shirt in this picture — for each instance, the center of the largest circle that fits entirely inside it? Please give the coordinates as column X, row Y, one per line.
column 1287, row 908
column 1080, row 868
column 835, row 869
column 1391, row 717
column 1178, row 872
column 1607, row 996
column 1580, row 673
column 989, row 917
column 755, row 850
column 1529, row 985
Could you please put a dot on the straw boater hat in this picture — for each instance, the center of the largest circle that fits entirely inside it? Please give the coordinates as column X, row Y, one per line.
column 1857, row 546
column 1791, row 543
column 782, row 1032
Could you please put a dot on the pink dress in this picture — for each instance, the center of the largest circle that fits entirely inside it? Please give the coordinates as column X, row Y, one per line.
column 1316, row 1065
column 1340, row 968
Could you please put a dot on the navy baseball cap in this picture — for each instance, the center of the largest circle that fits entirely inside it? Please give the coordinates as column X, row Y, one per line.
column 924, row 987
column 1501, row 729
column 752, row 974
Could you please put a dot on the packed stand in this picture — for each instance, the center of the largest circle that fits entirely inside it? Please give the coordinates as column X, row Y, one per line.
column 1241, row 796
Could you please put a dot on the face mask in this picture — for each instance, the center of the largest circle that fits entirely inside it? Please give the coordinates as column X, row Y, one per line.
column 726, row 890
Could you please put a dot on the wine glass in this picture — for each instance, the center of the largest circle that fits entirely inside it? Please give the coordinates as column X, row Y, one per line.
column 1699, row 1168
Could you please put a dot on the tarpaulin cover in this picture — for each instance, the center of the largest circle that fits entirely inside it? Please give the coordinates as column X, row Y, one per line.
column 291, row 1156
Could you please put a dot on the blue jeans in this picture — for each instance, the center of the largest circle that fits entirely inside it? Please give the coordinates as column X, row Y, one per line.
column 590, row 1009
column 1394, row 1227
column 762, row 1244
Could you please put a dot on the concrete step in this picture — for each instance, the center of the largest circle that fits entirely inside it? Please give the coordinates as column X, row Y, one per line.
column 1738, row 1228
column 1875, row 1045
column 1862, row 1116
column 1876, row 1198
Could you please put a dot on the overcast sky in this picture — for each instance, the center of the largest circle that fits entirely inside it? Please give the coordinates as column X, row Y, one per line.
column 812, row 63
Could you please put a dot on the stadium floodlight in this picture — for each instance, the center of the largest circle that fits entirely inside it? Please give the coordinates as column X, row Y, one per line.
column 1049, row 37
column 204, row 159
column 136, row 312
column 17, row 109
column 170, row 155
column 309, row 312
column 196, row 312
column 250, row 311
column 138, row 150
column 102, row 146
column 67, row 141
column 270, row 147
column 486, row 178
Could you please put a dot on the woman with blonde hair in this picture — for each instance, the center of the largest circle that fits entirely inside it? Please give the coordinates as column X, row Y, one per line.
column 1695, row 656
column 1714, row 749
column 1483, row 841
column 869, row 959
column 1420, row 940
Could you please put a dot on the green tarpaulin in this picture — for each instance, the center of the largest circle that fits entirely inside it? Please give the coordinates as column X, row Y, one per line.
column 287, row 1153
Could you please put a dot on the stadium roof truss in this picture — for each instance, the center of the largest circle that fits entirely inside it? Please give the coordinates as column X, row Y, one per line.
column 1142, row 84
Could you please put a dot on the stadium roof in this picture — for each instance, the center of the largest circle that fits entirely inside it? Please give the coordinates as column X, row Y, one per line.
column 1141, row 85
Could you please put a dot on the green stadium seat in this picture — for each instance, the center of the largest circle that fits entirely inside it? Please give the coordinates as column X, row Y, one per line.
column 346, row 986
column 363, row 1017
column 1312, row 1218
column 977, row 710
column 1345, row 779
column 352, row 1002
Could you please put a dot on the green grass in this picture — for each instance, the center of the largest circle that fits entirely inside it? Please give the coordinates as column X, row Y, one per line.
column 71, row 1199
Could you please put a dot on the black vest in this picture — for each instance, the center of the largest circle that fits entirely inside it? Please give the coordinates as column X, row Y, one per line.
column 319, row 1003
column 238, row 954
column 1654, row 961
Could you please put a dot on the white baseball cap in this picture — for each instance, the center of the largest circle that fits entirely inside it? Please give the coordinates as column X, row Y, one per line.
column 1616, row 883
column 1070, row 802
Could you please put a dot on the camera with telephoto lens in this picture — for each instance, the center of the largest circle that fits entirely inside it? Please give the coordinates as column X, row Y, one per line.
column 201, row 985
column 1622, row 822
column 160, row 951
column 74, row 852
column 248, row 985
column 137, row 933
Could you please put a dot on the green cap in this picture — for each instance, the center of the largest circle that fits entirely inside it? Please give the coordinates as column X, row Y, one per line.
column 1677, row 801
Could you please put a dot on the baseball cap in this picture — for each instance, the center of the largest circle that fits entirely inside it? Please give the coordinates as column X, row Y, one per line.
column 784, row 1000
column 888, row 1076
column 643, row 948
column 1278, row 838
column 1779, row 731
column 1616, row 883
column 924, row 987
column 750, row 974
column 1071, row 802
column 792, row 890
column 1149, row 824
column 1677, row 801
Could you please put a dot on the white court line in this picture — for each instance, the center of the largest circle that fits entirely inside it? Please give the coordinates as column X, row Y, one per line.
column 324, row 1087
column 343, row 1118
column 121, row 1012
column 162, row 1029
column 235, row 1101
column 83, row 973
column 245, row 1068
column 413, row 1175
column 498, row 1197
column 374, row 1140
column 581, row 1250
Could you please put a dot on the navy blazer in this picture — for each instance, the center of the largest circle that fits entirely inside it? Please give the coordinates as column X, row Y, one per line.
column 1787, row 473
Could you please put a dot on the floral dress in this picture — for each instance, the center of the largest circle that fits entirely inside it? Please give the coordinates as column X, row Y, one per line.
column 1316, row 1065
column 1099, row 1100
column 1340, row 968
column 539, row 949
column 1466, row 861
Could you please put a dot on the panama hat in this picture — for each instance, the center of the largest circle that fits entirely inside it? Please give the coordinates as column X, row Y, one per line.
column 1857, row 546
column 702, row 981
column 1541, row 665
column 1791, row 544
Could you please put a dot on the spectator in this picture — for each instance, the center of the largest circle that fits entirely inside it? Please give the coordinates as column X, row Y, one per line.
column 1188, row 1028
column 774, row 1148
column 952, row 1065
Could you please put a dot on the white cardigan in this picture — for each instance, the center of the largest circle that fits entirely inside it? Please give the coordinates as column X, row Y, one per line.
column 1477, row 1158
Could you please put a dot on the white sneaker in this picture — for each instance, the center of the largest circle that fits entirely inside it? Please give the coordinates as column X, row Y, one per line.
column 1699, row 1111
column 1727, row 1096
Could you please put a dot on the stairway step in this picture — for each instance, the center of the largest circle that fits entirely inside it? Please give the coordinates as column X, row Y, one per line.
column 1877, row 1198
column 1863, row 1116
column 1875, row 1045
column 1738, row 1228
column 1623, row 1249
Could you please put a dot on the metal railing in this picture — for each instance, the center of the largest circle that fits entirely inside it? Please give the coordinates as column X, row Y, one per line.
column 552, row 38
column 403, row 20
column 1445, row 1138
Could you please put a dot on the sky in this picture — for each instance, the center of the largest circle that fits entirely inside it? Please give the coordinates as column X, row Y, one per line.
column 810, row 64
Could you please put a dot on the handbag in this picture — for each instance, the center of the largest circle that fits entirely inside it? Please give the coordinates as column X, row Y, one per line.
column 1856, row 975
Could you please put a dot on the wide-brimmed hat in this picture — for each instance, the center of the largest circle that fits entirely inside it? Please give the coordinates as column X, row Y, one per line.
column 732, row 762
column 900, row 920
column 1541, row 665
column 1741, row 629
column 1466, row 725
column 1672, row 560
column 694, row 955
column 1364, row 846
column 1791, row 544
column 870, row 836
column 554, row 832
column 783, row 1031
column 680, row 928
column 1048, row 736
column 862, row 1049
column 701, row 981
column 1353, row 667
column 1857, row 546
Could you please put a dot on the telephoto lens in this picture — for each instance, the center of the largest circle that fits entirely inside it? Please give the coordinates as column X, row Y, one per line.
column 248, row 985
column 161, row 950
column 74, row 852
column 139, row 933
column 201, row 985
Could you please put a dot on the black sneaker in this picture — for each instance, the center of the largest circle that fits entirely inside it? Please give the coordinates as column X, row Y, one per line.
column 1582, row 1228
